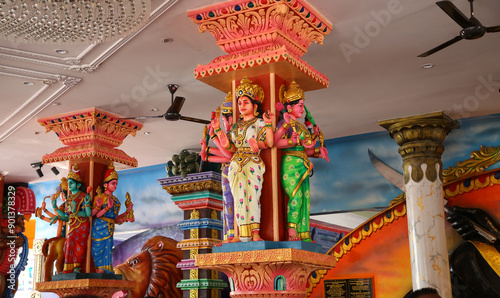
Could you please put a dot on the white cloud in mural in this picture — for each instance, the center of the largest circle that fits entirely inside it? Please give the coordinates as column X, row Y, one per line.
column 372, row 200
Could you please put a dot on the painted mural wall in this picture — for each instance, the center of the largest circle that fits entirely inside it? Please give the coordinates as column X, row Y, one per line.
column 152, row 205
column 349, row 181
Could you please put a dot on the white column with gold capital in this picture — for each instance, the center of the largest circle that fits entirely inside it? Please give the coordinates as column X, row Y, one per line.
column 421, row 140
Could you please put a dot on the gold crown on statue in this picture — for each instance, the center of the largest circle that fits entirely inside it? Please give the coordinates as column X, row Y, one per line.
column 253, row 91
column 110, row 174
column 292, row 93
column 227, row 105
column 75, row 174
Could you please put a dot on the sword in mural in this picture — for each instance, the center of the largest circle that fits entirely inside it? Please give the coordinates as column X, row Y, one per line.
column 395, row 177
column 397, row 180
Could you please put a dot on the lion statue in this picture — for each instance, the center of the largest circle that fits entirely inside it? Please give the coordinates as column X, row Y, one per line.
column 154, row 269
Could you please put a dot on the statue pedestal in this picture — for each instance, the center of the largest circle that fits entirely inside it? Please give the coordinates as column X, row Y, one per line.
column 98, row 287
column 276, row 271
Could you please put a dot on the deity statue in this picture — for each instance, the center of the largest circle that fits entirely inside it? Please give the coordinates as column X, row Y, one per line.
column 221, row 155
column 53, row 248
column 248, row 136
column 297, row 143
column 77, row 212
column 105, row 209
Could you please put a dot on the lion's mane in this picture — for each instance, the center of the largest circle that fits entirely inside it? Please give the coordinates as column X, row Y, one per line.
column 164, row 273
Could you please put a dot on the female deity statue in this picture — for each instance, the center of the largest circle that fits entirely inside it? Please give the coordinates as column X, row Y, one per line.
column 106, row 207
column 298, row 144
column 77, row 212
column 221, row 155
column 246, row 170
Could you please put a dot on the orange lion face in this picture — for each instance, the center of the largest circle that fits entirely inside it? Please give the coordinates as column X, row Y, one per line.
column 138, row 268
column 154, row 269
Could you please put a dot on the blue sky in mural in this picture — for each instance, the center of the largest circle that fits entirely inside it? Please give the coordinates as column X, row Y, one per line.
column 152, row 205
column 350, row 181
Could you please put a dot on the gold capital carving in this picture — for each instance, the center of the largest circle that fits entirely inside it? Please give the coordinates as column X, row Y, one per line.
column 421, row 140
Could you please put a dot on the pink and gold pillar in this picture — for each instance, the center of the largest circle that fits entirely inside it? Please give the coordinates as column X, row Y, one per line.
column 90, row 137
column 264, row 40
column 421, row 140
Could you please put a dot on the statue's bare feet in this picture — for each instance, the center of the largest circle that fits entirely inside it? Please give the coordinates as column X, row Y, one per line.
column 256, row 236
column 228, row 240
column 292, row 235
column 235, row 239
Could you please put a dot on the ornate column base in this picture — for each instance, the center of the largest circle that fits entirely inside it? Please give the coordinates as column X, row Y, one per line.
column 98, row 287
column 267, row 273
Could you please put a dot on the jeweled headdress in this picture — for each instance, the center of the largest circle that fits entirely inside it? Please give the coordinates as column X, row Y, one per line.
column 253, row 91
column 227, row 105
column 75, row 174
column 110, row 174
column 292, row 93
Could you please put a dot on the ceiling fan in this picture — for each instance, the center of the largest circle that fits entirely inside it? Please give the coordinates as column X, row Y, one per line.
column 471, row 27
column 172, row 113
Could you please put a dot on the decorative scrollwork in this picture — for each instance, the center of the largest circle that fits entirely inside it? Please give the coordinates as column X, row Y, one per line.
column 479, row 162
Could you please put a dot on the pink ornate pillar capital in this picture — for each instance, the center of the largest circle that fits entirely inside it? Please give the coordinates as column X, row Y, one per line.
column 261, row 37
column 90, row 133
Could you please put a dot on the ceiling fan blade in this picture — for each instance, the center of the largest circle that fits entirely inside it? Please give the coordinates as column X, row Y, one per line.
column 176, row 106
column 493, row 29
column 142, row 117
column 442, row 46
column 451, row 10
column 202, row 121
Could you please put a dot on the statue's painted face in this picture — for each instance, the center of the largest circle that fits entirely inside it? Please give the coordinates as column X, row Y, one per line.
column 73, row 185
column 298, row 109
column 111, row 185
column 245, row 106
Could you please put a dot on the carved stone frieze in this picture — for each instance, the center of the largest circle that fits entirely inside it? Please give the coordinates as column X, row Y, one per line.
column 254, row 273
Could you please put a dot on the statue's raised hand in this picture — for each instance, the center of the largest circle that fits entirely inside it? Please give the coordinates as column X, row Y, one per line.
column 254, row 145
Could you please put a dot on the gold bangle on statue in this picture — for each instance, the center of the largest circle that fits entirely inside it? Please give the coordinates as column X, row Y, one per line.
column 213, row 137
column 208, row 150
column 313, row 136
column 269, row 125
column 286, row 125
column 217, row 130
column 290, row 142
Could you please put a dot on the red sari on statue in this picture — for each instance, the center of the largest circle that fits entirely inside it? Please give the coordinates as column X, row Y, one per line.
column 75, row 246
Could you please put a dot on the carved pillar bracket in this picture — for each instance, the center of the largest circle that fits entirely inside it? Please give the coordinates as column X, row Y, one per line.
column 421, row 140
column 269, row 273
column 90, row 133
column 260, row 37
